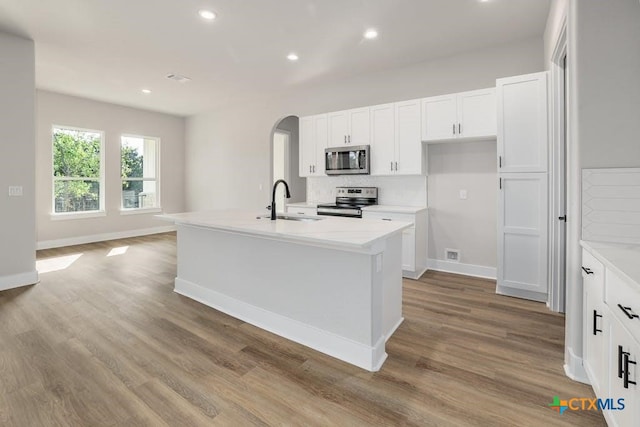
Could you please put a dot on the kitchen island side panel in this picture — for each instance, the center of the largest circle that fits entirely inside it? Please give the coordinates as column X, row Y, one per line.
column 327, row 299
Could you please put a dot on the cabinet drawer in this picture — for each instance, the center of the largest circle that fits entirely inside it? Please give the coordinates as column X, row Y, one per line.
column 623, row 300
column 389, row 216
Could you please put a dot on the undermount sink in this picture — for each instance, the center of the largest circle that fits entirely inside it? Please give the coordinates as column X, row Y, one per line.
column 291, row 218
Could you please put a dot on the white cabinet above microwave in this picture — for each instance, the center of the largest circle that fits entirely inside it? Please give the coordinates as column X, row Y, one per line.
column 465, row 115
column 349, row 127
column 313, row 141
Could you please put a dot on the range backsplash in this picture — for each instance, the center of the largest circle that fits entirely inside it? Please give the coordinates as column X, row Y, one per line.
column 392, row 190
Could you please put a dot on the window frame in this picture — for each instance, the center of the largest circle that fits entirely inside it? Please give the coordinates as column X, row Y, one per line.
column 158, row 207
column 101, row 180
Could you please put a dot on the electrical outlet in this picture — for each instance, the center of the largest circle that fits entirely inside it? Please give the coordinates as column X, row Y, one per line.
column 15, row 190
column 463, row 194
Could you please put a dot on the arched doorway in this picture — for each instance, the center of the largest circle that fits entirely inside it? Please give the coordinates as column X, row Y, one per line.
column 285, row 156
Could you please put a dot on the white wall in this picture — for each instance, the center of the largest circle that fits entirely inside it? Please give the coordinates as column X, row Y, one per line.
column 114, row 120
column 243, row 133
column 17, row 167
column 468, row 225
column 604, row 65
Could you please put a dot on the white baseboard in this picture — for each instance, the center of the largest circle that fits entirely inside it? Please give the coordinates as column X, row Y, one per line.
column 415, row 275
column 459, row 268
column 81, row 240
column 521, row 293
column 366, row 357
column 18, row 280
column 574, row 368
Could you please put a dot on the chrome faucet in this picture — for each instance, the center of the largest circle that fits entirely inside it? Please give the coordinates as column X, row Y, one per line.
column 273, row 196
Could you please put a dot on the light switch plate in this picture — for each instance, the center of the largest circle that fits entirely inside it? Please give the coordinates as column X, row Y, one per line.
column 15, row 190
column 463, row 194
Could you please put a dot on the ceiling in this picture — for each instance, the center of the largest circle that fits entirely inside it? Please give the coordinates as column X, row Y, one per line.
column 111, row 49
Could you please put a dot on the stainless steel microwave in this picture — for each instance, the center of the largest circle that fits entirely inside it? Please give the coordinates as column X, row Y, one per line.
column 347, row 160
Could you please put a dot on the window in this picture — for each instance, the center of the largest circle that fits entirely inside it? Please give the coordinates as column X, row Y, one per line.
column 139, row 157
column 77, row 170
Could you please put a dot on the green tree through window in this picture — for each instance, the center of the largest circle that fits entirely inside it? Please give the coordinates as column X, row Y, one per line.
column 76, row 170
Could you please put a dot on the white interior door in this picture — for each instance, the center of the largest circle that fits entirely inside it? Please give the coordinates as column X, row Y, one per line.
column 280, row 165
column 522, row 235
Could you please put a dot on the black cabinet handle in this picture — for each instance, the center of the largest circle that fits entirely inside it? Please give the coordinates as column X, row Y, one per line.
column 621, row 354
column 627, row 362
column 459, row 129
column 454, row 128
column 386, row 219
column 595, row 322
column 563, row 218
column 629, row 315
column 587, row 270
column 499, row 161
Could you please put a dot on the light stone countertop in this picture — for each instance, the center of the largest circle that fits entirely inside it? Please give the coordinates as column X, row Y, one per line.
column 354, row 233
column 621, row 258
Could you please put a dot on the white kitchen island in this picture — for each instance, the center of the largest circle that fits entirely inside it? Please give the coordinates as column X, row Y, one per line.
column 334, row 285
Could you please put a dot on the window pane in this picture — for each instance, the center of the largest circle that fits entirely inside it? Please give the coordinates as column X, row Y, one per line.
column 76, row 153
column 138, row 157
column 76, row 196
column 139, row 194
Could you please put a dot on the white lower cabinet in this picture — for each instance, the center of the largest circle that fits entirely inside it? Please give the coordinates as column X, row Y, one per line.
column 611, row 335
column 414, row 239
column 596, row 324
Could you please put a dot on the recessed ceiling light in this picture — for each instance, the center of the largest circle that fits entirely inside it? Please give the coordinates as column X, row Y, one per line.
column 292, row 57
column 146, row 91
column 370, row 34
column 207, row 14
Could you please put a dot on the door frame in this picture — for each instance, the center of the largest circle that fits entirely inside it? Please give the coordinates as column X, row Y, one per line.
column 559, row 175
column 287, row 155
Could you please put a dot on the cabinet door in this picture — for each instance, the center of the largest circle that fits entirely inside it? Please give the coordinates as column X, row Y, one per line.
column 477, row 114
column 321, row 132
column 359, row 127
column 522, row 235
column 522, row 123
column 409, row 249
column 596, row 324
column 382, row 139
column 338, row 123
column 439, row 118
column 623, row 364
column 408, row 143
column 307, row 154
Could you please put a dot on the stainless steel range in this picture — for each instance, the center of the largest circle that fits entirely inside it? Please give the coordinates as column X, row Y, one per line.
column 350, row 201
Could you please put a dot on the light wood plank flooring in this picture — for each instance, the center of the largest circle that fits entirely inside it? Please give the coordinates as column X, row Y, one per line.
column 105, row 342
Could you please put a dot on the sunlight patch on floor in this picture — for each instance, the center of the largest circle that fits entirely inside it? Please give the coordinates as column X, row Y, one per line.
column 57, row 263
column 118, row 251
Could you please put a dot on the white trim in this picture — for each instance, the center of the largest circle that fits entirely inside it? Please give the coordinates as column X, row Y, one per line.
column 557, row 185
column 18, row 280
column 63, row 216
column 137, row 211
column 415, row 275
column 81, row 240
column 574, row 368
column 521, row 293
column 459, row 268
column 364, row 356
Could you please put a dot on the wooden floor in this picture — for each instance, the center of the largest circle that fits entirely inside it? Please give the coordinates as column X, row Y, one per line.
column 106, row 342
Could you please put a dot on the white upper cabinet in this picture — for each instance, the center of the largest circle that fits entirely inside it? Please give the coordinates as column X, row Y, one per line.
column 349, row 127
column 383, row 134
column 313, row 141
column 439, row 117
column 522, row 123
column 408, row 144
column 396, row 147
column 477, row 114
column 462, row 115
